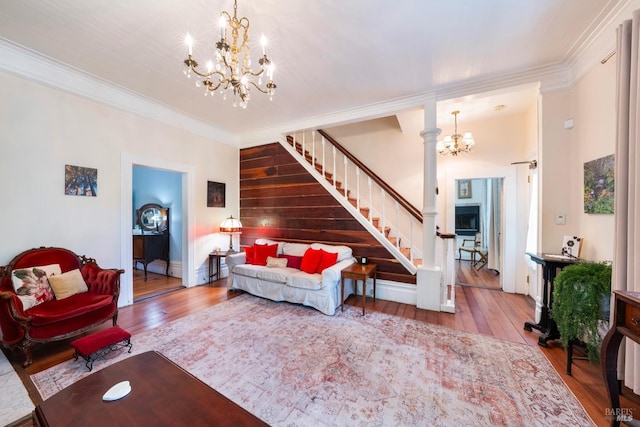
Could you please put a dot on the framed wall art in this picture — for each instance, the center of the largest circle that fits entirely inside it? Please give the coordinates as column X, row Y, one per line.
column 464, row 189
column 215, row 194
column 599, row 185
column 80, row 181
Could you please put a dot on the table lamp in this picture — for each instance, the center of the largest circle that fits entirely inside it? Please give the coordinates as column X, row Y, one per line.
column 231, row 226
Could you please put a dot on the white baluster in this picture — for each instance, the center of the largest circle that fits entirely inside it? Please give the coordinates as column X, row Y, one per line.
column 334, row 166
column 303, row 145
column 384, row 220
column 411, row 238
column 344, row 161
column 313, row 148
column 358, row 188
column 324, row 161
column 369, row 183
column 397, row 225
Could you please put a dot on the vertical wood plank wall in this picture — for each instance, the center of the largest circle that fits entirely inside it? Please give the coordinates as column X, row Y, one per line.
column 280, row 200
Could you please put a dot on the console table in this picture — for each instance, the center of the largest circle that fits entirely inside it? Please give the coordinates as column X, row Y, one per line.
column 162, row 394
column 550, row 263
column 626, row 323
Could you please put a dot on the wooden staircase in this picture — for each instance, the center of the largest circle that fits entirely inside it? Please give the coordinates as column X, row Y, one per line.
column 364, row 211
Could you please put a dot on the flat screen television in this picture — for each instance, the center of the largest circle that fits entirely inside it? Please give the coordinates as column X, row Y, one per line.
column 467, row 220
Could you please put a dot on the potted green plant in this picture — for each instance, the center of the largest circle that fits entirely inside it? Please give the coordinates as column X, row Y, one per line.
column 581, row 302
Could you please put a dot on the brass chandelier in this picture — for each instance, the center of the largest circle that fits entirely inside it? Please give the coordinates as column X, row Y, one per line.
column 454, row 144
column 232, row 66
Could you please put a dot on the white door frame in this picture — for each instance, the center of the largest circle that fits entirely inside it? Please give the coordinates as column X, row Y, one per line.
column 508, row 249
column 127, row 161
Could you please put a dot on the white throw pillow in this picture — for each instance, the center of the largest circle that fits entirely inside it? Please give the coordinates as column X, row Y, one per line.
column 66, row 284
column 276, row 262
column 32, row 284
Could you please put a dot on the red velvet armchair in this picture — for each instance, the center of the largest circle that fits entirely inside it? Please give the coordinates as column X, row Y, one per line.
column 57, row 318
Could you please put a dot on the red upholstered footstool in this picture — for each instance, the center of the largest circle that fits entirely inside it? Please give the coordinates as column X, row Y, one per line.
column 94, row 346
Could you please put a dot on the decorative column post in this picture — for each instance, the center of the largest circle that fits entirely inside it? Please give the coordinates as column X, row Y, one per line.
column 428, row 276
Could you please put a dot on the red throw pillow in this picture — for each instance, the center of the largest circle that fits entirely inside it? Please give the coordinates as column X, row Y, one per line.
column 327, row 260
column 264, row 251
column 311, row 260
column 293, row 261
column 250, row 253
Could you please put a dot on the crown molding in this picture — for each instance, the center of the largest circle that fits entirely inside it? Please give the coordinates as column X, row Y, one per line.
column 549, row 78
column 22, row 62
column 29, row 65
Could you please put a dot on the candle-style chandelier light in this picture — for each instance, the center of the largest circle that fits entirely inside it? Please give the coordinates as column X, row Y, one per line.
column 454, row 144
column 232, row 66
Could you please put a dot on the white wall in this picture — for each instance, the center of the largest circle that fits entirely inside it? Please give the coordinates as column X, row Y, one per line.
column 42, row 129
column 591, row 104
column 593, row 136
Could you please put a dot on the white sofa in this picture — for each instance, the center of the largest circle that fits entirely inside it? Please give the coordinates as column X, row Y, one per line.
column 318, row 290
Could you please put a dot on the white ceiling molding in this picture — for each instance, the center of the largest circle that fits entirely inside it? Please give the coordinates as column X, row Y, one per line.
column 581, row 58
column 31, row 66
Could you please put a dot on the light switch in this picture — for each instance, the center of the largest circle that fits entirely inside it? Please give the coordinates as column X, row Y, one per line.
column 561, row 219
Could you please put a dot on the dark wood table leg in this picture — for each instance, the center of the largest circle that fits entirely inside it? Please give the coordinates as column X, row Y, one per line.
column 609, row 357
column 342, row 293
column 364, row 294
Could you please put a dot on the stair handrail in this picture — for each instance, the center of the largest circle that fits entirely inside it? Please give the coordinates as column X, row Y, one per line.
column 415, row 212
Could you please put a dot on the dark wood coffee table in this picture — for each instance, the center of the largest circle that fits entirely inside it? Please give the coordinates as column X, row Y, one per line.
column 162, row 394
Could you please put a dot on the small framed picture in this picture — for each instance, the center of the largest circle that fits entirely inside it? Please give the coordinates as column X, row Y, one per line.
column 464, row 189
column 80, row 181
column 215, row 194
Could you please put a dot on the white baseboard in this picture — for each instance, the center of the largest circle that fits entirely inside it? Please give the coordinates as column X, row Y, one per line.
column 159, row 267
column 391, row 291
column 202, row 274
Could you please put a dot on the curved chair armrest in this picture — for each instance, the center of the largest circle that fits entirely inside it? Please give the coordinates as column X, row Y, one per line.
column 105, row 281
column 15, row 306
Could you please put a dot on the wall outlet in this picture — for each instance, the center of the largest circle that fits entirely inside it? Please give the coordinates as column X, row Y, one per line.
column 561, row 218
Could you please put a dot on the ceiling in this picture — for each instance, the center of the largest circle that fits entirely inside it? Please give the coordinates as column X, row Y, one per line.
column 336, row 60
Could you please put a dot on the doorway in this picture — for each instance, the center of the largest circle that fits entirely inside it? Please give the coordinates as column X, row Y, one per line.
column 187, row 174
column 164, row 188
column 506, row 231
column 478, row 228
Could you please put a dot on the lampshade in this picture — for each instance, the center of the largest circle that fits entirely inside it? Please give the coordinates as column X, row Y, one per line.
column 231, row 225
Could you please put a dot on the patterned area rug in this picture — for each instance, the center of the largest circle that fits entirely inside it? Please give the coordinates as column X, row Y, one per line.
column 15, row 402
column 293, row 366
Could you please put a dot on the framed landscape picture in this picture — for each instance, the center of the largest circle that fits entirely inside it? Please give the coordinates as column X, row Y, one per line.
column 599, row 185
column 215, row 194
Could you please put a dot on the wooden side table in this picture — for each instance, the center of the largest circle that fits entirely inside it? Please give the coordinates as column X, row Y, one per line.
column 359, row 272
column 216, row 256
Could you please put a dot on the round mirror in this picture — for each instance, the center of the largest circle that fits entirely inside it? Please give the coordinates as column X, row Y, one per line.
column 152, row 217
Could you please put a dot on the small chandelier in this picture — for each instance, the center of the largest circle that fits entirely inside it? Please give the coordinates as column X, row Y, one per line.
column 451, row 146
column 232, row 67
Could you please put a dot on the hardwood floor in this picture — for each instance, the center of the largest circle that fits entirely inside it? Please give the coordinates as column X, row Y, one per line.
column 478, row 310
column 469, row 276
column 156, row 284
